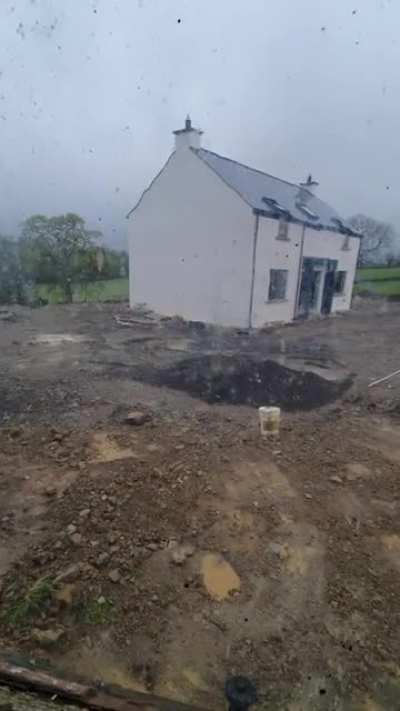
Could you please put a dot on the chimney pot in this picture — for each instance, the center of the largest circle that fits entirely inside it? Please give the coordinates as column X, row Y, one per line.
column 188, row 137
column 310, row 184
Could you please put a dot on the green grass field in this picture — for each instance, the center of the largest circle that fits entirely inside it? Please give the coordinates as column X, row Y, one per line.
column 108, row 290
column 383, row 281
column 378, row 273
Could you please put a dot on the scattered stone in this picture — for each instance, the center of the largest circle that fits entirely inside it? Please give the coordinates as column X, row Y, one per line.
column 136, row 418
column 101, row 600
column 336, row 479
column 112, row 538
column 153, row 447
column 114, row 575
column 307, row 496
column 153, row 547
column 102, row 559
column 356, row 470
column 50, row 491
column 84, row 513
column 69, row 574
column 66, row 595
column 7, row 315
column 275, row 548
column 76, row 539
column 71, row 529
column 179, row 554
column 47, row 638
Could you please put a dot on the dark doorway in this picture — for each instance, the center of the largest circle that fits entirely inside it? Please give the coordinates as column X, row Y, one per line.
column 317, row 286
column 329, row 287
column 310, row 286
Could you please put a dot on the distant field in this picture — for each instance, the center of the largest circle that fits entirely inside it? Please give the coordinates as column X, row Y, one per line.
column 378, row 273
column 108, row 290
column 383, row 281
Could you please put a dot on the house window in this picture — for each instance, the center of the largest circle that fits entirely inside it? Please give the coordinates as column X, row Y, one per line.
column 283, row 229
column 340, row 280
column 277, row 284
column 346, row 243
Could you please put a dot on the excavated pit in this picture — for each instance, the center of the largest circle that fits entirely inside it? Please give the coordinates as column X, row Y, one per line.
column 240, row 380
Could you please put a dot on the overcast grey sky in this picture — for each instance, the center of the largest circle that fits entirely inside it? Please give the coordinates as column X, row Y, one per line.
column 90, row 91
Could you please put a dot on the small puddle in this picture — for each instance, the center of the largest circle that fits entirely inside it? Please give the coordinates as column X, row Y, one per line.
column 392, row 543
column 107, row 449
column 57, row 339
column 194, row 679
column 219, row 577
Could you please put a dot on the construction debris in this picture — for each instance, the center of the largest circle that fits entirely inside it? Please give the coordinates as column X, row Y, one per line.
column 382, row 380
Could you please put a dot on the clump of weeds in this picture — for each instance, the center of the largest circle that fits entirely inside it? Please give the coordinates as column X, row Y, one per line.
column 26, row 600
column 92, row 611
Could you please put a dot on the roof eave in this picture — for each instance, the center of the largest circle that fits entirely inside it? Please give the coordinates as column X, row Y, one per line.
column 314, row 225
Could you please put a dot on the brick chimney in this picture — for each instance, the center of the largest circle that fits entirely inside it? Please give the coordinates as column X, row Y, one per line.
column 307, row 188
column 188, row 137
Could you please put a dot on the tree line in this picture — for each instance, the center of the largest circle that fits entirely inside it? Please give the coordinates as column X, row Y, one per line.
column 61, row 252
column 57, row 251
column 379, row 244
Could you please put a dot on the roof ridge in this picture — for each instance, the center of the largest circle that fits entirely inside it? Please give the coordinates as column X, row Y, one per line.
column 244, row 165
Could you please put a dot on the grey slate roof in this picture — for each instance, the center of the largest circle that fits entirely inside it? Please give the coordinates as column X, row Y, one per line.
column 254, row 185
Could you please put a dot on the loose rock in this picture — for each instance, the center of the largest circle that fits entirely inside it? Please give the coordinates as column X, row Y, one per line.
column 69, row 574
column 136, row 418
column 102, row 559
column 115, row 576
column 47, row 638
column 66, row 595
column 179, row 554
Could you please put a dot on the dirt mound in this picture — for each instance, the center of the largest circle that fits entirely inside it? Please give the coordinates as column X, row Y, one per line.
column 240, row 380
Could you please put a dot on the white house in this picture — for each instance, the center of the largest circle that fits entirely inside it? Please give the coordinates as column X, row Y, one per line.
column 214, row 240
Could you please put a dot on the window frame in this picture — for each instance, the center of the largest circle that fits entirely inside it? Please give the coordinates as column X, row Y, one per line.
column 343, row 279
column 346, row 243
column 274, row 299
column 283, row 229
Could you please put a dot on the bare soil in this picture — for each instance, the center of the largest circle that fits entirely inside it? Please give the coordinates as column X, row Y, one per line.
column 200, row 549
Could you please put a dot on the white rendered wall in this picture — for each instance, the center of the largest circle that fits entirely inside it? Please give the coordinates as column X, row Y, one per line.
column 191, row 241
column 329, row 245
column 279, row 254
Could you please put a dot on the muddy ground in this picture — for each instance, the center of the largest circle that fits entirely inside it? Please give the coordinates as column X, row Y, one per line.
column 168, row 555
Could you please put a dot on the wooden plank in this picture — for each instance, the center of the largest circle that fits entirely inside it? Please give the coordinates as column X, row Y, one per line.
column 106, row 698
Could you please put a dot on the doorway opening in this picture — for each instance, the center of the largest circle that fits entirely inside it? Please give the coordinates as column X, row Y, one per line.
column 317, row 286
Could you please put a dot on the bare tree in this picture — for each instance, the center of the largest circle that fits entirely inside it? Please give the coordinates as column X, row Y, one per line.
column 377, row 240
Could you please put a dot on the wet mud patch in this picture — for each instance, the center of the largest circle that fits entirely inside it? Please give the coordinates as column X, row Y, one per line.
column 240, row 380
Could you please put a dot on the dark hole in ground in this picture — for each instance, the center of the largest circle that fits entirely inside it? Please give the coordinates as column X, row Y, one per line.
column 242, row 380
